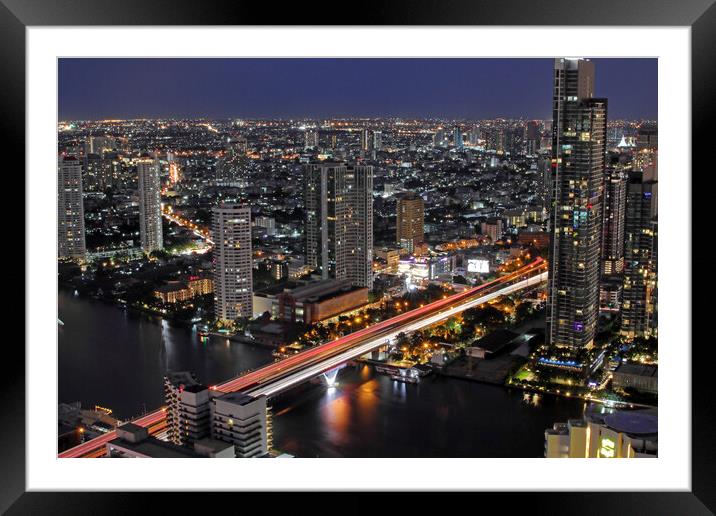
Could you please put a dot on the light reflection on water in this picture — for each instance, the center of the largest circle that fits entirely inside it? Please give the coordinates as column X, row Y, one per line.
column 117, row 359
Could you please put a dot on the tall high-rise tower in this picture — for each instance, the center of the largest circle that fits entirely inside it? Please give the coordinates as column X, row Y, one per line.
column 311, row 139
column 613, row 225
column 70, row 210
column 339, row 221
column 640, row 254
column 410, row 221
column 150, row 203
column 366, row 143
column 233, row 282
column 577, row 184
column 377, row 140
column 458, row 141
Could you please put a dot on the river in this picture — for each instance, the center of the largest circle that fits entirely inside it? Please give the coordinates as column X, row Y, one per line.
column 117, row 359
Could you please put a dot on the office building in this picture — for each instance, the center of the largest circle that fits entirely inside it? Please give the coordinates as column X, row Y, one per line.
column 439, row 137
column 231, row 232
column 640, row 243
column 624, row 434
column 267, row 223
column 70, row 210
column 647, row 137
column 366, row 143
column 640, row 377
column 319, row 300
column 150, row 203
column 238, row 146
column 410, row 221
column 473, row 137
column 613, row 224
column 134, row 441
column 532, row 138
column 377, row 140
column 339, row 221
column 311, row 139
column 174, row 383
column 492, row 228
column 243, row 421
column 194, row 413
column 458, row 141
column 577, row 185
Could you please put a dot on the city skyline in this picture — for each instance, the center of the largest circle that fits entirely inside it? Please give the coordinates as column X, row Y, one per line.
column 364, row 256
column 283, row 88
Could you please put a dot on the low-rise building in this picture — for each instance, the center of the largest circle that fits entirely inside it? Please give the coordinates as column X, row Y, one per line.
column 491, row 344
column 320, row 300
column 133, row 441
column 184, row 290
column 641, row 377
column 620, row 434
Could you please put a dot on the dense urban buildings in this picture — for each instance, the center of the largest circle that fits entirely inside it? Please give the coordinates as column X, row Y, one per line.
column 578, row 155
column 293, row 254
column 231, row 231
column 70, row 209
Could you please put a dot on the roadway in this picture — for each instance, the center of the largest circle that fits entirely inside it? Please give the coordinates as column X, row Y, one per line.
column 282, row 375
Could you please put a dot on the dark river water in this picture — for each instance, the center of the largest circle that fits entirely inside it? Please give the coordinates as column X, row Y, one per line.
column 117, row 359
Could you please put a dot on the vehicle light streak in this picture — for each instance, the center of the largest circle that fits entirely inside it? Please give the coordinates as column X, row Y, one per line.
column 314, row 361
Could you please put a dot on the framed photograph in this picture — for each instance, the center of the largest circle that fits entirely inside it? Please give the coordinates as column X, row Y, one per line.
column 414, row 251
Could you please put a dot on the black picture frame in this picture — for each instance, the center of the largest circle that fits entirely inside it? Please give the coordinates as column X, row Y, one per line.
column 700, row 15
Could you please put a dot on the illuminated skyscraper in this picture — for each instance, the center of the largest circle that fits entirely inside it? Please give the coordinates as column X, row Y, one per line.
column 532, row 138
column 377, row 140
column 640, row 246
column 410, row 221
column 366, row 144
column 311, row 138
column 457, row 138
column 613, row 225
column 577, row 183
column 150, row 203
column 70, row 210
column 339, row 221
column 439, row 137
column 233, row 283
column 473, row 137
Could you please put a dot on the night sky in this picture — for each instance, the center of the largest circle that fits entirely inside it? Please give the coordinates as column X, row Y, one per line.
column 93, row 89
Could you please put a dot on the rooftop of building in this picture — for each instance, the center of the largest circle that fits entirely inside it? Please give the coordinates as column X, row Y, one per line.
column 647, row 370
column 319, row 290
column 177, row 378
column 237, row 398
column 171, row 286
column 197, row 387
column 634, row 422
column 155, row 448
column 496, row 340
column 211, row 445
